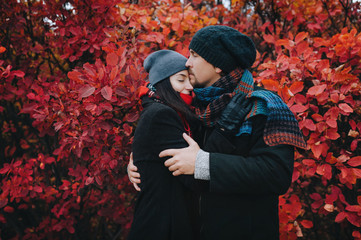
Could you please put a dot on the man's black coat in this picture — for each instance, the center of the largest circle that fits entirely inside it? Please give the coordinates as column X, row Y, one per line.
column 246, row 178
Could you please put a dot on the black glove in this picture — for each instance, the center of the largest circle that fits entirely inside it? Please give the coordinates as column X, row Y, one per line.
column 234, row 114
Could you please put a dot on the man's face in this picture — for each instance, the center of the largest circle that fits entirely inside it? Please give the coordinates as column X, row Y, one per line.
column 201, row 73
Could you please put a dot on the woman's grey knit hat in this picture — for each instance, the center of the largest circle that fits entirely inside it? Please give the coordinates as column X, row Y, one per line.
column 224, row 47
column 164, row 63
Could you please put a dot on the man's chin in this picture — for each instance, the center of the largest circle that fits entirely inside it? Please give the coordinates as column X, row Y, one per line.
column 195, row 83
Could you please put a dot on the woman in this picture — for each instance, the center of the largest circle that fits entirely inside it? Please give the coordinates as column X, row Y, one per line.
column 164, row 205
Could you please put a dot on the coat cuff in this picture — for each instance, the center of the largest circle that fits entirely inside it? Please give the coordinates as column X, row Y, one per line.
column 201, row 168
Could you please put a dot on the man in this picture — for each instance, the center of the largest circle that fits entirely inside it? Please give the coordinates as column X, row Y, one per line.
column 247, row 154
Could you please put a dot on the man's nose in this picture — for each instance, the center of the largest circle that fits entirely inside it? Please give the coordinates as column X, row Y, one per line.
column 188, row 63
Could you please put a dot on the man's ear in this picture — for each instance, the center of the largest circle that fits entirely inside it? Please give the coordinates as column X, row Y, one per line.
column 218, row 70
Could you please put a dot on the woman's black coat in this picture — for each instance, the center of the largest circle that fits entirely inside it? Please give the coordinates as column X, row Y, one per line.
column 164, row 208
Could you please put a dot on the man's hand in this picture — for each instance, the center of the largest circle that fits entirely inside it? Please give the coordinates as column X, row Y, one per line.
column 182, row 160
column 133, row 175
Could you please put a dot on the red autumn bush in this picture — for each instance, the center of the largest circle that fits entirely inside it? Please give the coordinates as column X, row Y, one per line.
column 69, row 74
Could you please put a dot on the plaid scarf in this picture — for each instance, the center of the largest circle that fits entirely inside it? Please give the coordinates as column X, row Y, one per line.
column 211, row 101
column 281, row 125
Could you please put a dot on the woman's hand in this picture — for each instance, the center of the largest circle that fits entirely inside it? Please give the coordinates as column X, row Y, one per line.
column 133, row 175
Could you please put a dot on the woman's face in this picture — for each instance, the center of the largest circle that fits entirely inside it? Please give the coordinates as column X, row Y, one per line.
column 180, row 82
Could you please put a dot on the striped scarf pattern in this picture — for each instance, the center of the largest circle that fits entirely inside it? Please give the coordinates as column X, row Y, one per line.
column 281, row 125
column 211, row 101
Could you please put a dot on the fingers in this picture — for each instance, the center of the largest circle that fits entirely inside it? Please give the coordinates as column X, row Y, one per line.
column 136, row 187
column 173, row 167
column 169, row 162
column 135, row 179
column 167, row 153
column 177, row 173
column 188, row 139
column 133, row 175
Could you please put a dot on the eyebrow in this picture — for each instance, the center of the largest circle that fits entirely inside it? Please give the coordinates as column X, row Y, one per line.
column 181, row 74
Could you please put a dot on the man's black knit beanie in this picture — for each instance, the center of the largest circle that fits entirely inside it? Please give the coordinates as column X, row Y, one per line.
column 224, row 47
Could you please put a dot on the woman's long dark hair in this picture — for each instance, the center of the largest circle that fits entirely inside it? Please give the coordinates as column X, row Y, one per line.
column 166, row 92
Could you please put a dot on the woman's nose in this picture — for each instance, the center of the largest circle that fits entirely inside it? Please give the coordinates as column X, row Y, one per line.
column 189, row 86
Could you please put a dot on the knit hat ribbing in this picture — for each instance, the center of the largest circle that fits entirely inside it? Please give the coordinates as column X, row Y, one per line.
column 224, row 47
column 162, row 64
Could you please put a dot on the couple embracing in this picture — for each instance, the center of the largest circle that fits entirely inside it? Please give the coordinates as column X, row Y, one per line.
column 212, row 152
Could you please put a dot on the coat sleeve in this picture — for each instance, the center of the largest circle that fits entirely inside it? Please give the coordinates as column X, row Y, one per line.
column 265, row 170
column 168, row 129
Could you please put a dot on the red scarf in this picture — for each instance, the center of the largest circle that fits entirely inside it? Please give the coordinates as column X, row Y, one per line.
column 144, row 90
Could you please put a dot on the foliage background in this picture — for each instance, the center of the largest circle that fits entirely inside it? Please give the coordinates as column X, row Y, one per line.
column 69, row 73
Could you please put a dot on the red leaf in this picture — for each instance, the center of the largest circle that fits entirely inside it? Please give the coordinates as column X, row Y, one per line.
column 296, row 87
column 317, row 117
column 5, row 169
column 354, row 208
column 112, row 59
column 307, row 223
column 127, row 129
column 355, row 161
column 8, row 209
column 270, row 84
column 357, row 172
column 308, row 162
column 3, row 202
column 269, row 38
column 49, row 160
column 107, row 92
column 89, row 69
column 18, row 73
column 86, row 91
column 284, row 42
column 297, row 108
column 354, row 144
column 315, row 196
column 74, row 75
column 309, row 124
column 89, row 180
column 356, row 234
column 132, row 117
column 352, row 124
column 2, row 49
column 353, row 218
column 318, row 149
column 300, row 37
column 332, row 134
column 345, row 107
column 335, row 97
column 17, row 163
column 99, row 180
column 316, row 90
column 113, row 164
column 38, row 189
column 340, row 217
column 331, row 122
column 325, row 170
column 70, row 229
